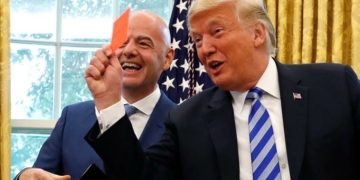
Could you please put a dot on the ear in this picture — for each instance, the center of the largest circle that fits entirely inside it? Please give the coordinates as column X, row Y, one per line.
column 260, row 34
column 168, row 59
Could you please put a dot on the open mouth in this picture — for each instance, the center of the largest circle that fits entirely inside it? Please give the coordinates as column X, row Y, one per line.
column 215, row 65
column 128, row 66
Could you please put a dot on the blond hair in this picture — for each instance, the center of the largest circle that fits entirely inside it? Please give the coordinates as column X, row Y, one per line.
column 248, row 11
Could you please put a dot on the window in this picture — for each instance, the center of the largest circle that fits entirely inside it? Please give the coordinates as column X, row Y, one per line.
column 51, row 44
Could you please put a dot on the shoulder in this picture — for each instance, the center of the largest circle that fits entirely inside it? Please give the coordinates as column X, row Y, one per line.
column 323, row 72
column 164, row 100
column 81, row 107
column 199, row 101
column 191, row 112
column 318, row 68
column 81, row 104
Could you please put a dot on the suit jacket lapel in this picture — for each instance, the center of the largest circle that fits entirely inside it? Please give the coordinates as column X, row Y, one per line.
column 294, row 112
column 221, row 124
column 155, row 126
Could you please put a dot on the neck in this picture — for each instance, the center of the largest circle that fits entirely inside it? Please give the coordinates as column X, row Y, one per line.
column 254, row 76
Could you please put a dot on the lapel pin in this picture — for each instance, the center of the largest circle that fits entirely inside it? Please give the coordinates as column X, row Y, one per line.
column 297, row 96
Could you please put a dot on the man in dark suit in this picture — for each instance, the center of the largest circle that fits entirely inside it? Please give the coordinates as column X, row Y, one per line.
column 148, row 53
column 264, row 120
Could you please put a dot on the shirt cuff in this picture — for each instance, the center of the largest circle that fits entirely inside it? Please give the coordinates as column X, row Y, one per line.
column 109, row 116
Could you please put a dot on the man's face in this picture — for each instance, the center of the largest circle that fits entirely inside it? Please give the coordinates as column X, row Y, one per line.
column 144, row 53
column 224, row 46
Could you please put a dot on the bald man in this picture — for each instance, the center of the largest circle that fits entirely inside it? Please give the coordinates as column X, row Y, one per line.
column 143, row 57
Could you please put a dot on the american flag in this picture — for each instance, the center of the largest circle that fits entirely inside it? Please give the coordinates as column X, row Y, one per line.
column 186, row 75
column 297, row 96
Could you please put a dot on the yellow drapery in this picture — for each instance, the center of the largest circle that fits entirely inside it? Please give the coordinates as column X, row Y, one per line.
column 314, row 31
column 5, row 90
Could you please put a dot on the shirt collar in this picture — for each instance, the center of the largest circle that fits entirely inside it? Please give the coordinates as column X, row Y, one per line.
column 269, row 81
column 146, row 105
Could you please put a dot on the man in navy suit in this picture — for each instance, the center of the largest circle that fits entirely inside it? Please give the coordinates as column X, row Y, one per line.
column 146, row 53
column 264, row 120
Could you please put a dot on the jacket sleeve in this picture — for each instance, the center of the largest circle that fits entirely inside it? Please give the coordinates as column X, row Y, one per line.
column 124, row 158
column 50, row 155
column 353, row 85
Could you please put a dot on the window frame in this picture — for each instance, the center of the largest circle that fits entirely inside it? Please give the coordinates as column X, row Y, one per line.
column 47, row 124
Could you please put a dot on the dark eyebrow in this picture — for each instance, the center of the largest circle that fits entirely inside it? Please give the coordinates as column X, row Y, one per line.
column 139, row 38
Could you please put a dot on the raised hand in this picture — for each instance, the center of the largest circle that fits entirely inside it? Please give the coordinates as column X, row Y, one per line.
column 103, row 77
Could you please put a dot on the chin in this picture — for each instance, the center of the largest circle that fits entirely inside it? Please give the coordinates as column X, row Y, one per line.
column 130, row 85
column 224, row 84
column 220, row 84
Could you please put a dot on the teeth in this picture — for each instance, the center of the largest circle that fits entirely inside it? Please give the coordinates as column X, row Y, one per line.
column 130, row 65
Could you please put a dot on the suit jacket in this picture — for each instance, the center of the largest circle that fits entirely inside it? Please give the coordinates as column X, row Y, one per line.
column 66, row 151
column 321, row 131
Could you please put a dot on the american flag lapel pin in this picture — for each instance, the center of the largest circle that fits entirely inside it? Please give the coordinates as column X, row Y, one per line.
column 297, row 96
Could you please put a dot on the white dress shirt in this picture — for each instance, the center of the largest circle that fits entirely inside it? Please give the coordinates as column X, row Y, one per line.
column 271, row 101
column 109, row 116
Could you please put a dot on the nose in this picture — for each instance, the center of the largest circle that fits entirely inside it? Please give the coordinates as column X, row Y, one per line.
column 130, row 50
column 208, row 46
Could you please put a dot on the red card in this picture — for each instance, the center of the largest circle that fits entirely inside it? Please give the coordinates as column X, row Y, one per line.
column 120, row 29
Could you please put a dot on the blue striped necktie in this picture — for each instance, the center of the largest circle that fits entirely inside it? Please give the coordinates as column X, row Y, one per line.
column 129, row 109
column 265, row 162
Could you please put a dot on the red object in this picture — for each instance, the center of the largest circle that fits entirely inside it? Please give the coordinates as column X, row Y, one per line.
column 120, row 29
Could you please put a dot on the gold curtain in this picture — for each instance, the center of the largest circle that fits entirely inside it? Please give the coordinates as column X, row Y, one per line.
column 314, row 31
column 5, row 90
